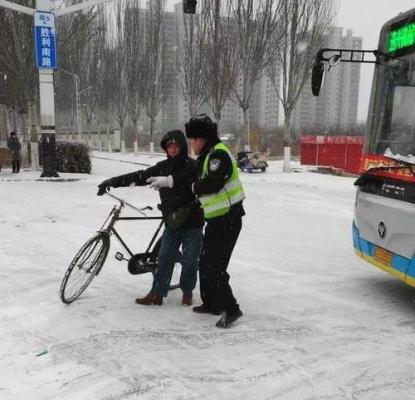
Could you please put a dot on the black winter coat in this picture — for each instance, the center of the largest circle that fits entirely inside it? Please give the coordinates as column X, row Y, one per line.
column 14, row 145
column 183, row 169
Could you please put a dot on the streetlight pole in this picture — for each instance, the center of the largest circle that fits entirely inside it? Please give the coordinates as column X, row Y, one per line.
column 78, row 108
column 77, row 103
column 88, row 135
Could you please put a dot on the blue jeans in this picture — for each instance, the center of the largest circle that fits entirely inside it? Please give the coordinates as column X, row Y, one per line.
column 191, row 242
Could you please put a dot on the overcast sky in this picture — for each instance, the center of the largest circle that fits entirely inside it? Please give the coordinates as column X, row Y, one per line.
column 365, row 18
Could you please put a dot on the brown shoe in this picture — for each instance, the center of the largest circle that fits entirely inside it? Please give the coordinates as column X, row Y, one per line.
column 150, row 299
column 187, row 300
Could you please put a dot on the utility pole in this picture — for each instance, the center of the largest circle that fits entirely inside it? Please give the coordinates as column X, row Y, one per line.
column 46, row 84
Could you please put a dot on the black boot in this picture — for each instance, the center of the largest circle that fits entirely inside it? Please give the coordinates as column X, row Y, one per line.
column 204, row 309
column 226, row 320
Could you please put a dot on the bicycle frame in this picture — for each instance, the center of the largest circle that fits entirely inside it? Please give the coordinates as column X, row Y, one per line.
column 114, row 216
column 83, row 268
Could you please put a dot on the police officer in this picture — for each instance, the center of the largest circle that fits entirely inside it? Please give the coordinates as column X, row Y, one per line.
column 220, row 193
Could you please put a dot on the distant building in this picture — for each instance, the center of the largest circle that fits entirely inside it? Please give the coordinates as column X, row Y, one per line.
column 337, row 105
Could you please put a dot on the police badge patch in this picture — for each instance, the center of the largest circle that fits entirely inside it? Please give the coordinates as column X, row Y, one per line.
column 214, row 164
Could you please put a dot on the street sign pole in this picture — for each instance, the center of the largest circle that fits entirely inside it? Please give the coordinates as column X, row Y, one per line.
column 45, row 42
column 45, row 49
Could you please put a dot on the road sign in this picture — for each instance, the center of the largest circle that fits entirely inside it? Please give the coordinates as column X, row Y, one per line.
column 45, row 40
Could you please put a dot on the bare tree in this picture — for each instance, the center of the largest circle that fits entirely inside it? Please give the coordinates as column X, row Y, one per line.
column 75, row 31
column 159, row 79
column 19, row 77
column 220, row 46
column 103, row 79
column 256, row 28
column 76, row 42
column 191, row 61
column 105, row 86
column 19, row 91
column 78, row 63
column 303, row 25
column 135, row 59
column 115, row 60
column 90, row 92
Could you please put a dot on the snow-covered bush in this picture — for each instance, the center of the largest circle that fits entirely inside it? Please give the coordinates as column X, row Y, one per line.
column 72, row 157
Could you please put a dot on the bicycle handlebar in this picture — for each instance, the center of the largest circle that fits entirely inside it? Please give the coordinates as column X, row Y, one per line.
column 126, row 203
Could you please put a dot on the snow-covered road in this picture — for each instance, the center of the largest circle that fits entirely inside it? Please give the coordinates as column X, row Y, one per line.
column 318, row 322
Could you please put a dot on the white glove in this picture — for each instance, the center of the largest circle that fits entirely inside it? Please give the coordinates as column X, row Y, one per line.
column 158, row 182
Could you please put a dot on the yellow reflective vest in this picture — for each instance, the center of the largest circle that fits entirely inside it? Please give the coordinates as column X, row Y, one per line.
column 219, row 203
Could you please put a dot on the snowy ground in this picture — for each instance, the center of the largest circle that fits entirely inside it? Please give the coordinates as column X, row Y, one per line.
column 318, row 322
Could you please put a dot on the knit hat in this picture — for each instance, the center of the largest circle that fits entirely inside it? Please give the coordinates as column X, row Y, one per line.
column 201, row 126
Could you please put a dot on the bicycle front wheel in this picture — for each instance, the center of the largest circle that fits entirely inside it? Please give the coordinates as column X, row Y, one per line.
column 84, row 267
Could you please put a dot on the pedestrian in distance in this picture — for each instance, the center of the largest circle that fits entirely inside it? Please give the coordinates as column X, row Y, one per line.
column 221, row 194
column 15, row 148
column 181, row 213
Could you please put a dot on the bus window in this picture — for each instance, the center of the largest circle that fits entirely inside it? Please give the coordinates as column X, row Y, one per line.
column 392, row 132
column 400, row 139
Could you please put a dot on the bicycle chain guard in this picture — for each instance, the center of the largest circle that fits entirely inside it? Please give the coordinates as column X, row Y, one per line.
column 141, row 263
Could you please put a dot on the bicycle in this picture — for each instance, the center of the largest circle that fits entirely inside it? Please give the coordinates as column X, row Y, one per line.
column 90, row 258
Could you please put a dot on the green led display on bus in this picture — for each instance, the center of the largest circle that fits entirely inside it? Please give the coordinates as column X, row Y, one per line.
column 401, row 38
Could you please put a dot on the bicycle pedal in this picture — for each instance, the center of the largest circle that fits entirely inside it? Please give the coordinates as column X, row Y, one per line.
column 120, row 257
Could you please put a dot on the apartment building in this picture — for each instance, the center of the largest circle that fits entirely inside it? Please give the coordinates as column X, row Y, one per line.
column 337, row 105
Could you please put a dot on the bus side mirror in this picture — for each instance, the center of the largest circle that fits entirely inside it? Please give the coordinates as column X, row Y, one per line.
column 317, row 76
column 189, row 6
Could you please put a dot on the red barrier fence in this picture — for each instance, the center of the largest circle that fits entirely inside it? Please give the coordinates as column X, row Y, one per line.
column 332, row 151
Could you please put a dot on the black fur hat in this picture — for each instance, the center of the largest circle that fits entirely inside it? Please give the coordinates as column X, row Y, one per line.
column 201, row 126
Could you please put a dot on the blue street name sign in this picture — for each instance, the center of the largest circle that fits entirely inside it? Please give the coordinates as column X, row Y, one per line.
column 45, row 40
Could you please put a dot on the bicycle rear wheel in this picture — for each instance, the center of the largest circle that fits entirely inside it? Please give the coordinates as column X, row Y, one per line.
column 84, row 267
